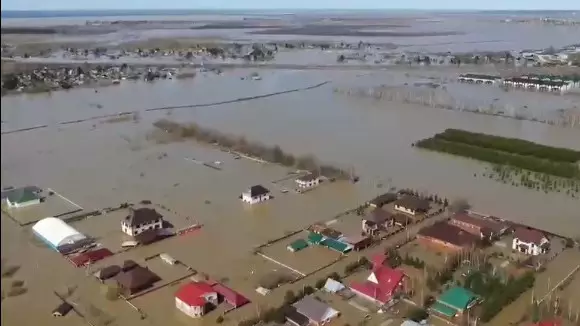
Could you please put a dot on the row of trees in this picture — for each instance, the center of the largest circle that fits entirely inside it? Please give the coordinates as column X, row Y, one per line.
column 363, row 262
column 510, row 145
column 502, row 296
column 272, row 154
column 560, row 169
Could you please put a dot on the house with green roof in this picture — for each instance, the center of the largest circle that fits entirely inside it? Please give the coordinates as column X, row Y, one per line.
column 21, row 197
column 336, row 245
column 455, row 301
column 297, row 245
column 315, row 238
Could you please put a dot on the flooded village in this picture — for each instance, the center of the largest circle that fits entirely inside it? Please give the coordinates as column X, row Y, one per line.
column 289, row 192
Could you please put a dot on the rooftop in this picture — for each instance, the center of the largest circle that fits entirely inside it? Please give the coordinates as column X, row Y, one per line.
column 529, row 235
column 142, row 216
column 193, row 293
column 457, row 298
column 413, row 202
column 482, row 222
column 21, row 195
column 257, row 190
column 449, row 233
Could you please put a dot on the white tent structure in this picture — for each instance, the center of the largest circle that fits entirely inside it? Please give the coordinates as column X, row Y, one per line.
column 56, row 233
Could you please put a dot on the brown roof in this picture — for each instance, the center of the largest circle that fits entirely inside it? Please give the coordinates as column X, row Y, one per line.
column 413, row 202
column 379, row 216
column 142, row 216
column 383, row 199
column 449, row 233
column 402, row 219
column 529, row 235
column 128, row 265
column 108, row 272
column 308, row 177
column 481, row 222
column 136, row 279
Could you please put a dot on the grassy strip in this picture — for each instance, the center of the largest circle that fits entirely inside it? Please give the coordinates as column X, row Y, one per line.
column 273, row 154
column 560, row 169
column 510, row 145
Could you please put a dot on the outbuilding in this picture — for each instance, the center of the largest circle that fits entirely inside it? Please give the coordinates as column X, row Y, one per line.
column 58, row 235
column 22, row 197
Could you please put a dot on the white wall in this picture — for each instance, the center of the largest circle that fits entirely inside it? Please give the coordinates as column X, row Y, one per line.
column 24, row 204
column 135, row 230
column 254, row 200
column 405, row 210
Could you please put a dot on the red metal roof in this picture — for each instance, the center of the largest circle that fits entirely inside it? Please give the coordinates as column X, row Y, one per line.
column 549, row 323
column 90, row 257
column 388, row 279
column 232, row 297
column 193, row 293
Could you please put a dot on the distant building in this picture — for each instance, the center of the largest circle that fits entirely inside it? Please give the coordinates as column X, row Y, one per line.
column 383, row 200
column 141, row 220
column 447, row 236
column 22, row 197
column 256, row 194
column 136, row 279
column 478, row 79
column 308, row 181
column 412, row 205
column 530, row 241
column 195, row 299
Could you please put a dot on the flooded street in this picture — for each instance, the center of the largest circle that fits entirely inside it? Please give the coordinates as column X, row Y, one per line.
column 101, row 164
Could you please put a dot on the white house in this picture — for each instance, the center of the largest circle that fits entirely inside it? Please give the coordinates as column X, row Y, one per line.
column 255, row 194
column 194, row 298
column 22, row 197
column 141, row 220
column 530, row 241
column 308, row 181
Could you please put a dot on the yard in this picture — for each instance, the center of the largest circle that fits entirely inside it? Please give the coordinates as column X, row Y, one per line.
column 53, row 204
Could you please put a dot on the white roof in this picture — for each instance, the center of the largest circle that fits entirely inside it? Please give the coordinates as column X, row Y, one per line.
column 56, row 232
column 333, row 286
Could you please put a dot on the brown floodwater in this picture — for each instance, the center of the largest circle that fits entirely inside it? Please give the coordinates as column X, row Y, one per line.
column 97, row 164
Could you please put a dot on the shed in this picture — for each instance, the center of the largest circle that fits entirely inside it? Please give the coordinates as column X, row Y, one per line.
column 297, row 245
column 62, row 310
column 455, row 301
column 106, row 273
column 333, row 286
column 90, row 257
column 56, row 233
column 22, row 197
column 168, row 259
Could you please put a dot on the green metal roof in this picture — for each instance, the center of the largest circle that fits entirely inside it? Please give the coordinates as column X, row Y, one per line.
column 443, row 309
column 298, row 245
column 21, row 195
column 457, row 297
column 315, row 238
column 335, row 245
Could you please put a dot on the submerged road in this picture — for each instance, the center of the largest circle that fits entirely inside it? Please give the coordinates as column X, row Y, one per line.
column 240, row 99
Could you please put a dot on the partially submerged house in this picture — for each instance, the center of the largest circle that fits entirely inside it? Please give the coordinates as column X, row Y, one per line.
column 141, row 220
column 446, row 236
column 530, row 241
column 22, row 197
column 357, row 241
column 233, row 298
column 255, row 194
column 377, row 220
column 478, row 225
column 317, row 312
column 478, row 79
column 455, row 302
column 382, row 285
column 195, row 299
column 136, row 279
column 108, row 272
column 308, row 181
column 412, row 205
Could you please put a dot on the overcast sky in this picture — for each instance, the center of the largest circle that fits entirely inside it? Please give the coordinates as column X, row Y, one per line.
column 287, row 4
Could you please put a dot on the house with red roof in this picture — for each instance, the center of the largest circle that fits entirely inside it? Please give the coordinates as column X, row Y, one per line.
column 382, row 284
column 530, row 241
column 554, row 322
column 196, row 298
column 231, row 297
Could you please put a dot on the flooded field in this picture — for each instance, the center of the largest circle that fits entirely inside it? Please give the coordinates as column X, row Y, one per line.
column 99, row 165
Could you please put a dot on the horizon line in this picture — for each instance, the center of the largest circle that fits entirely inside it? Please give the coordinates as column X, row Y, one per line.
column 287, row 9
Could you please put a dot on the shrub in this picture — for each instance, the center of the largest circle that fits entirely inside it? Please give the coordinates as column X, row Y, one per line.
column 289, row 297
column 308, row 290
column 17, row 283
column 219, row 320
column 320, row 283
